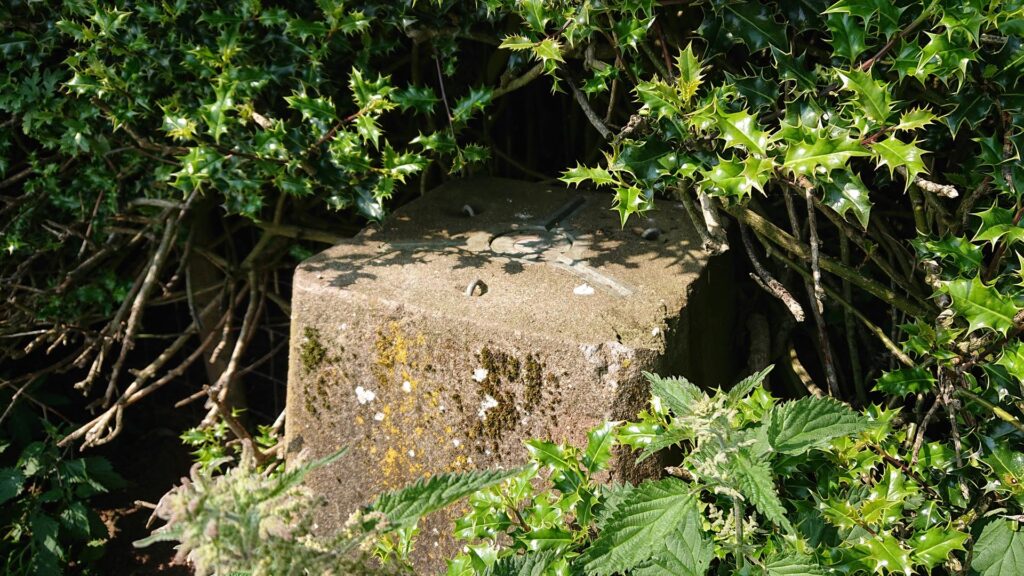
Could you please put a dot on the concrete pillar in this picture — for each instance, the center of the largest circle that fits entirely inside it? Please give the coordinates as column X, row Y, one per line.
column 486, row 313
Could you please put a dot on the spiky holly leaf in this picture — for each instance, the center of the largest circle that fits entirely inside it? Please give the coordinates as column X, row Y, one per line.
column 893, row 153
column 793, row 68
column 740, row 130
column 871, row 96
column 756, row 25
column 848, row 36
column 516, row 43
column 599, row 176
column 821, row 156
column 758, row 90
column 964, row 254
column 845, row 191
column 997, row 223
column 935, row 545
column 972, row 106
column 885, row 554
column 914, row 119
column 548, row 49
column 690, row 74
column 982, row 306
column 999, row 551
column 1012, row 359
column 419, row 98
column 906, row 381
column 662, row 100
column 629, row 200
column 799, row 426
column 888, row 15
column 734, row 178
column 469, row 104
column 638, row 528
column 600, row 440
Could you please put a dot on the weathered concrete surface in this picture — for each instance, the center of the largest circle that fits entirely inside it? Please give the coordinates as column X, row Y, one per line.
column 391, row 358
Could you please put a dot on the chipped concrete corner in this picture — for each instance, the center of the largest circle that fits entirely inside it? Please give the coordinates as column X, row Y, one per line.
column 442, row 341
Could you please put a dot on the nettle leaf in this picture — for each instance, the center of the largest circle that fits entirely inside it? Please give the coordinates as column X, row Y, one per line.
column 999, row 550
column 935, row 545
column 11, row 483
column 848, row 36
column 639, row 527
column 599, row 176
column 982, row 306
column 745, row 386
column 754, row 480
column 821, row 156
column 894, row 153
column 740, row 130
column 872, row 97
column 689, row 73
column 797, row 427
column 795, row 565
column 403, row 508
column 519, row 565
column 906, row 381
column 687, row 552
column 845, row 191
column 677, row 394
column 756, row 25
column 599, row 447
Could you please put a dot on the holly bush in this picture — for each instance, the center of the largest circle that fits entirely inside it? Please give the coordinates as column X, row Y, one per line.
column 165, row 164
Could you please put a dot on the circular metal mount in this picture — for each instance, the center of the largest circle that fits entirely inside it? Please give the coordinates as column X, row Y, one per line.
column 531, row 244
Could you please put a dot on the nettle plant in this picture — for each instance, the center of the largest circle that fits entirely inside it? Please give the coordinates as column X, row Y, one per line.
column 755, row 486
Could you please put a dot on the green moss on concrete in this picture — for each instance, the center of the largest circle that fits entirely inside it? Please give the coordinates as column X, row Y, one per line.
column 312, row 352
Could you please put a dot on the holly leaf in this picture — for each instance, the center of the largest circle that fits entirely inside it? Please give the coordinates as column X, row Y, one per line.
column 662, row 100
column 740, row 130
column 734, row 178
column 914, row 119
column 845, row 191
column 599, row 447
column 997, row 223
column 972, row 106
column 1012, row 359
column 821, row 156
column 419, row 98
column 894, row 153
column 469, row 104
column 548, row 49
column 755, row 25
column 599, row 176
column 690, row 74
column 982, row 306
column 629, row 200
column 848, row 36
column 906, row 381
column 871, row 96
column 935, row 545
column 885, row 554
column 793, row 69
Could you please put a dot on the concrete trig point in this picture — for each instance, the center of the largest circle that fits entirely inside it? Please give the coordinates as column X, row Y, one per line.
column 484, row 314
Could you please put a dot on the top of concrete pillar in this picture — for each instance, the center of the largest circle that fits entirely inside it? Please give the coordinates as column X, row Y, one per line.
column 544, row 260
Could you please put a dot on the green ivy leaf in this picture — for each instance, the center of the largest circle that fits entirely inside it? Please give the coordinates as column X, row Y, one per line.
column 797, row 427
column 999, row 550
column 845, row 191
column 638, row 528
column 982, row 306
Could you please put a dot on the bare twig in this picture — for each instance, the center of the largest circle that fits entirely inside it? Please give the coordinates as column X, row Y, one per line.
column 765, row 280
column 589, row 112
